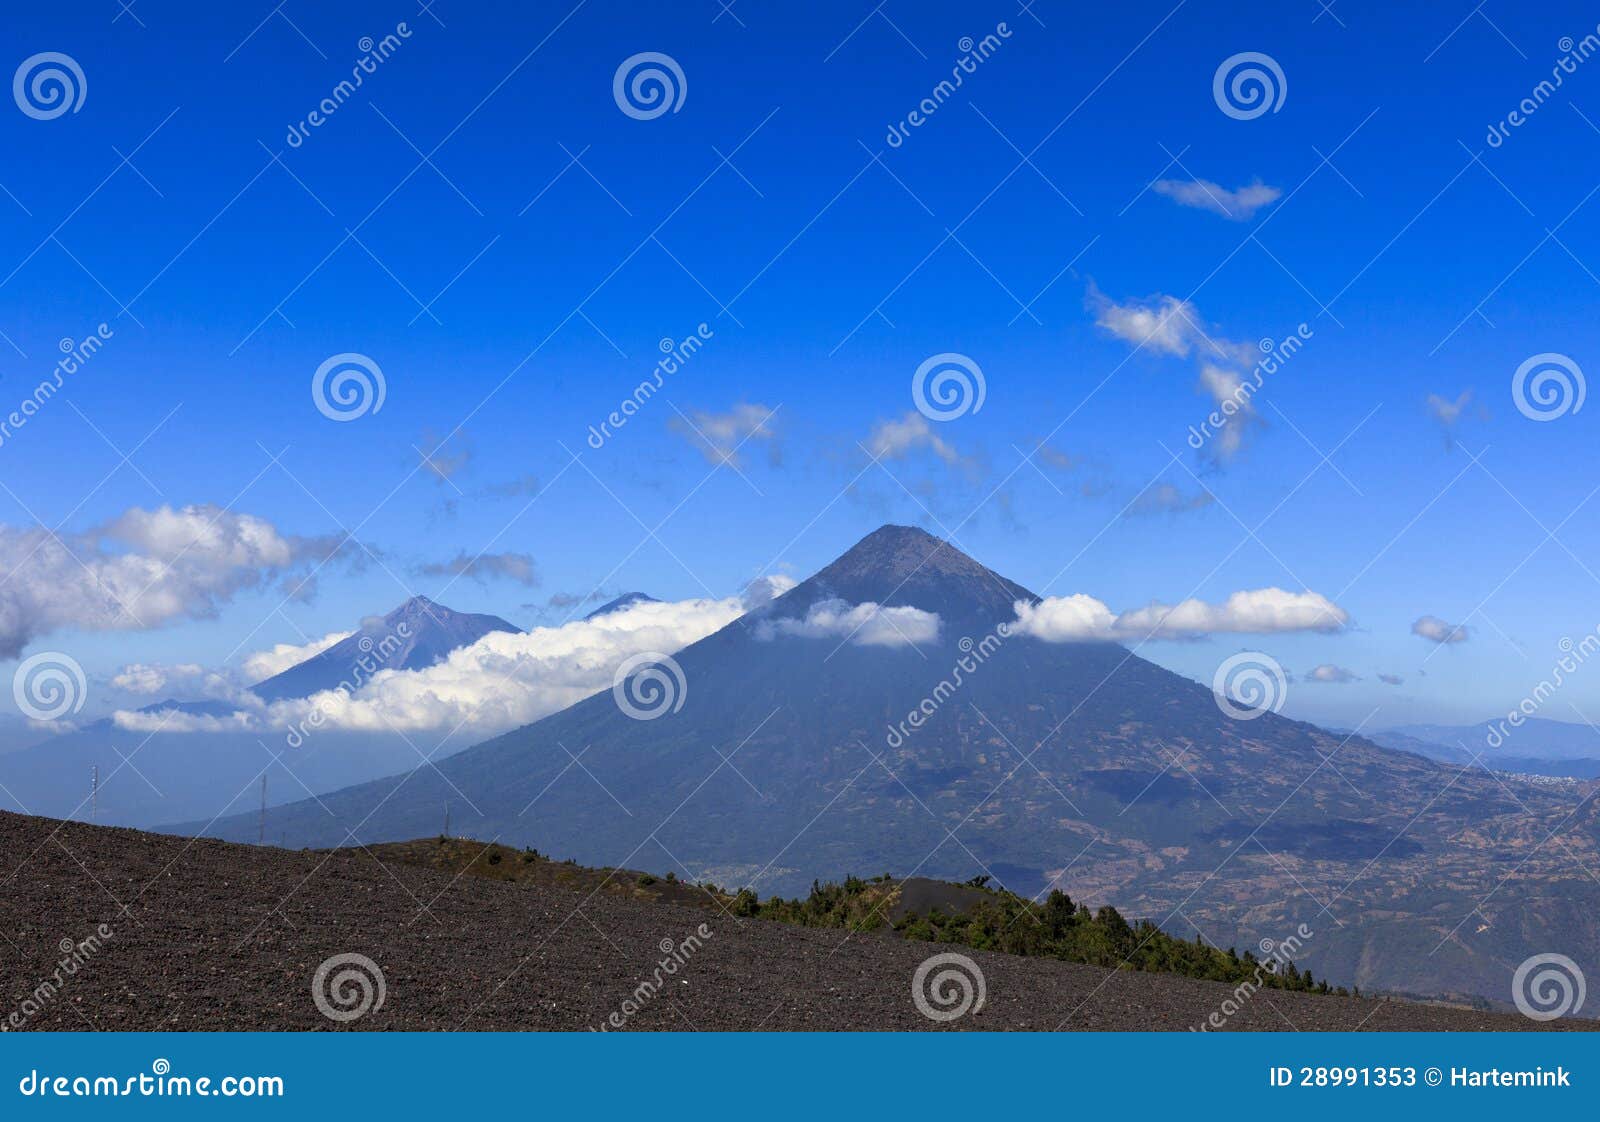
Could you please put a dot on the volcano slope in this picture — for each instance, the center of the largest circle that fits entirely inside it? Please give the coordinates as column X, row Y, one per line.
column 781, row 758
column 204, row 935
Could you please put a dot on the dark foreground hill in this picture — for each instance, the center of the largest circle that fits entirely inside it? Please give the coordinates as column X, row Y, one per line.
column 205, row 935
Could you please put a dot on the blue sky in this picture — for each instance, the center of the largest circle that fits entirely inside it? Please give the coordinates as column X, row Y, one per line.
column 514, row 296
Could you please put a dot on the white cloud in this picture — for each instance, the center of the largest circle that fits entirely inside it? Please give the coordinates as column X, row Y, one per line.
column 1328, row 672
column 1238, row 204
column 865, row 625
column 140, row 570
column 1391, row 679
column 503, row 681
column 765, row 589
column 155, row 678
column 719, row 436
column 262, row 665
column 1262, row 611
column 1164, row 324
column 1438, row 631
column 178, row 722
column 895, row 440
column 1066, row 619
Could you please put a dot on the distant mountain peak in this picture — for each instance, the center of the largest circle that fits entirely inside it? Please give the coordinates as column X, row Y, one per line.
column 626, row 600
column 418, row 606
column 430, row 632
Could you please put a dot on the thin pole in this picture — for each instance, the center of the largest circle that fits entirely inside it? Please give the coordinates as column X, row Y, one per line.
column 94, row 792
column 447, row 818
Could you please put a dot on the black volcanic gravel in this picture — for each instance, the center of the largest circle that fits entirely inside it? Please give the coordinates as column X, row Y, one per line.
column 221, row 936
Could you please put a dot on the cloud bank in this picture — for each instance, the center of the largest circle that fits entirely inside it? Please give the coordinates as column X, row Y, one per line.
column 1262, row 611
column 501, row 682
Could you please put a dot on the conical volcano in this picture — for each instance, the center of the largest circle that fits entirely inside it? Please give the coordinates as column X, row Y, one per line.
column 902, row 566
column 880, row 717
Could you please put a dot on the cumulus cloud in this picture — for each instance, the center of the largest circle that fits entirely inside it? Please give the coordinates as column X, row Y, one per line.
column 765, row 589
column 1238, row 204
column 155, row 678
column 1262, row 611
column 719, row 437
column 498, row 683
column 261, row 665
column 1328, row 672
column 518, row 567
column 1391, row 679
column 1437, row 630
column 865, row 625
column 142, row 569
column 895, row 440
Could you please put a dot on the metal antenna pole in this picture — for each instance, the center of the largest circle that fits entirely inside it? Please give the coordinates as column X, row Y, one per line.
column 447, row 818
